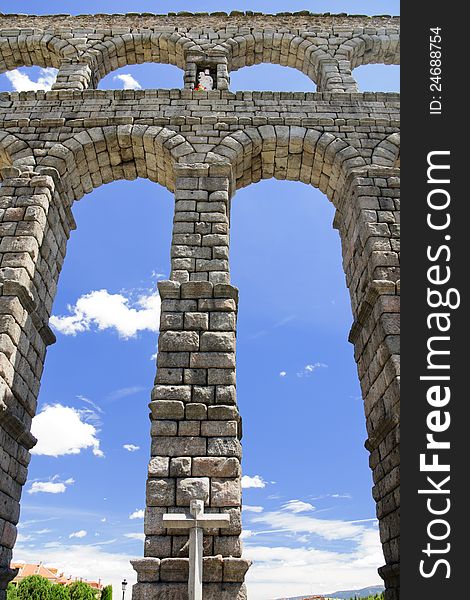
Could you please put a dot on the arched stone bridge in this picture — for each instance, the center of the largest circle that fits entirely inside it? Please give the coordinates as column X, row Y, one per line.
column 57, row 146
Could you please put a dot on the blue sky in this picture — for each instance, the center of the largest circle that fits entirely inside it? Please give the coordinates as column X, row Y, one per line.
column 309, row 515
column 75, row 7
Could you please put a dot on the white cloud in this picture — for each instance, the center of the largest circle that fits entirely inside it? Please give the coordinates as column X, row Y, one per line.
column 50, row 487
column 103, row 310
column 78, row 534
column 253, row 482
column 61, row 430
column 21, row 82
column 137, row 514
column 297, row 506
column 310, row 369
column 47, row 487
column 131, row 447
column 284, row 571
column 128, row 81
column 282, row 373
column 253, row 509
column 246, row 533
column 135, row 536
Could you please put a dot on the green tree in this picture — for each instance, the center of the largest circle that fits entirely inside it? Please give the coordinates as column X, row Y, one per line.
column 79, row 590
column 59, row 592
column 11, row 592
column 107, row 593
column 34, row 587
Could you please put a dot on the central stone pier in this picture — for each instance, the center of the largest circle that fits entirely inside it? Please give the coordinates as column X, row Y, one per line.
column 196, row 430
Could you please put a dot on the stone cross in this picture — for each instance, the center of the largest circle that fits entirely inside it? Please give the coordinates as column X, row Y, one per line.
column 196, row 523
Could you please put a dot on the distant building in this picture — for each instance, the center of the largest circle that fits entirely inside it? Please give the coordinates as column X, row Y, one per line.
column 51, row 574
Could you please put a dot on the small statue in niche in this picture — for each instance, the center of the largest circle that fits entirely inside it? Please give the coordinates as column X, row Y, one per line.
column 205, row 81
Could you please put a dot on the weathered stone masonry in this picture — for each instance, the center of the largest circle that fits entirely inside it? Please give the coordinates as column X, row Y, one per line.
column 203, row 146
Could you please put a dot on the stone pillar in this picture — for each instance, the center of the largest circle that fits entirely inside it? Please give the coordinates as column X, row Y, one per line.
column 195, row 424
column 34, row 227
column 335, row 76
column 74, row 76
column 190, row 75
column 368, row 220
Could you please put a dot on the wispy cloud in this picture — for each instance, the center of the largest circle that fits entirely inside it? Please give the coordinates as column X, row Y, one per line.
column 282, row 373
column 128, row 81
column 125, row 392
column 131, row 447
column 102, row 310
column 280, row 323
column 135, row 536
column 253, row 482
column 91, row 412
column 137, row 514
column 252, row 509
column 62, row 430
column 21, row 82
column 308, row 370
column 294, row 522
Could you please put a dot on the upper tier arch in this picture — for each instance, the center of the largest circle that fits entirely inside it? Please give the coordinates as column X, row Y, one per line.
column 42, row 50
column 371, row 49
column 284, row 49
column 117, row 51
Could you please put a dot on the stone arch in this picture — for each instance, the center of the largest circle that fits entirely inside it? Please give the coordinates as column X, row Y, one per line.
column 41, row 49
column 284, row 49
column 370, row 264
column 14, row 152
column 104, row 154
column 137, row 48
column 387, row 152
column 289, row 152
column 371, row 49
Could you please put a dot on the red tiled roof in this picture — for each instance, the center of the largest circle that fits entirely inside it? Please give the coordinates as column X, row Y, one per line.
column 25, row 570
column 50, row 573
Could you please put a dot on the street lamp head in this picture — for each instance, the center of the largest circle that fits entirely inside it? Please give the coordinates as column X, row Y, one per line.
column 124, row 585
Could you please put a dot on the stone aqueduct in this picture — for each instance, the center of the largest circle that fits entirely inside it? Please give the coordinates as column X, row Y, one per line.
column 57, row 146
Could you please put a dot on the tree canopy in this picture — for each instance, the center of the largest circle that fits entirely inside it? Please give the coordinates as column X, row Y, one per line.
column 34, row 587
column 79, row 590
column 107, row 593
column 59, row 592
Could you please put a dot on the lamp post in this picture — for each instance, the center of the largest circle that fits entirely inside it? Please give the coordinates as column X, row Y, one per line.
column 124, row 585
